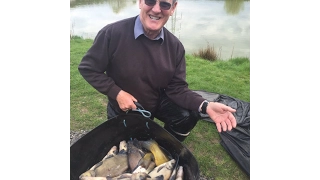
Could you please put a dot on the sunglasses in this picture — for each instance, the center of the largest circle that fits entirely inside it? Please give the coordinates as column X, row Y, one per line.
column 163, row 5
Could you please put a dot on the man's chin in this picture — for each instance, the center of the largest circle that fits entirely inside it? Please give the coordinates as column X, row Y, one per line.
column 155, row 30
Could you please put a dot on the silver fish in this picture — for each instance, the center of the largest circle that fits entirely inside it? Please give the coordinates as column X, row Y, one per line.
column 164, row 169
column 180, row 173
column 135, row 153
column 112, row 152
column 175, row 169
column 93, row 178
column 91, row 173
column 123, row 146
column 139, row 169
column 139, row 176
column 173, row 174
column 129, row 176
column 125, row 176
column 88, row 173
column 151, row 166
column 113, row 164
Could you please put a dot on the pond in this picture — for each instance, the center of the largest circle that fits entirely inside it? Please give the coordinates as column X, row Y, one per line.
column 224, row 25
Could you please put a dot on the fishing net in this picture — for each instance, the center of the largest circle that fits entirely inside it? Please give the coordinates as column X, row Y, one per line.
column 237, row 141
column 92, row 147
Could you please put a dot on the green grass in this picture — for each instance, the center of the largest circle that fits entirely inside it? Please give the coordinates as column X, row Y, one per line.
column 232, row 78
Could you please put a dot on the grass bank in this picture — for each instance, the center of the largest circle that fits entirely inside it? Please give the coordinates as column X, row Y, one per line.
column 232, row 78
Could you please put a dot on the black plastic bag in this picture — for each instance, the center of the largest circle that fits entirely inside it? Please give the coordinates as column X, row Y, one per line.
column 93, row 146
column 237, row 141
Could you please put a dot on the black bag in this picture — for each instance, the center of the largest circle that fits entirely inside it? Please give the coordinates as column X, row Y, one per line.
column 93, row 146
column 237, row 141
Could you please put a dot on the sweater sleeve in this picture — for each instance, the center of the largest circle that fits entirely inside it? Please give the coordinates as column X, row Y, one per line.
column 178, row 90
column 93, row 65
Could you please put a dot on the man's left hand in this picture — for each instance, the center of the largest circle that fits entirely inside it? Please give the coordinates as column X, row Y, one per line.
column 222, row 116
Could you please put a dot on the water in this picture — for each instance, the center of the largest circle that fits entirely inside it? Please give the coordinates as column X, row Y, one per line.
column 225, row 25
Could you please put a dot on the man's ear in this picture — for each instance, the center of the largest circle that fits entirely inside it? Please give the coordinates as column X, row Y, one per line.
column 174, row 6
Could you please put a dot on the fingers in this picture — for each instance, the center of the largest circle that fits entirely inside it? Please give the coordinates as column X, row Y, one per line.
column 218, row 127
column 232, row 120
column 134, row 105
column 125, row 101
column 224, row 126
column 129, row 106
column 227, row 124
column 227, row 108
column 125, row 109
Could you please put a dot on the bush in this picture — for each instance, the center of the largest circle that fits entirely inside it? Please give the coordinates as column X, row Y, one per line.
column 207, row 53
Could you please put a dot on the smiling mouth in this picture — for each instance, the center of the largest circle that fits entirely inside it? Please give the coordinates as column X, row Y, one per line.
column 154, row 17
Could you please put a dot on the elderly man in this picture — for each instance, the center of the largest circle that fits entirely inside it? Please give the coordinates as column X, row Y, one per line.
column 138, row 60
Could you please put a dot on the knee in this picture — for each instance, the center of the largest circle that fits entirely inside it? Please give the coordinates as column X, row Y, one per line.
column 186, row 119
column 182, row 126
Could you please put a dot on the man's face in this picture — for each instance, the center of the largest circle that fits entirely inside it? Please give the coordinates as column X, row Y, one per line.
column 153, row 18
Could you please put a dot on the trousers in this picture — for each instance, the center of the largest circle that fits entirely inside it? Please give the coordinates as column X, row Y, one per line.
column 177, row 121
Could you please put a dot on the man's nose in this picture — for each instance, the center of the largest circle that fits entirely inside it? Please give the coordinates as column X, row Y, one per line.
column 156, row 7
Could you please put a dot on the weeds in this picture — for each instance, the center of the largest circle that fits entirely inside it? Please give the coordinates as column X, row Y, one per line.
column 207, row 53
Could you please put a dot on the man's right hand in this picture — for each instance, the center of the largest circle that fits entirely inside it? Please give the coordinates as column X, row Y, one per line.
column 125, row 101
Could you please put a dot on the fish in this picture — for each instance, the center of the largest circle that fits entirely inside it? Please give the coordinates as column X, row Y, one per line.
column 147, row 162
column 91, row 173
column 123, row 146
column 180, row 173
column 173, row 174
column 175, row 169
column 112, row 152
column 135, row 153
column 93, row 178
column 113, row 164
column 164, row 169
column 129, row 176
column 151, row 166
column 126, row 176
column 139, row 176
column 159, row 156
column 139, row 168
column 88, row 173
